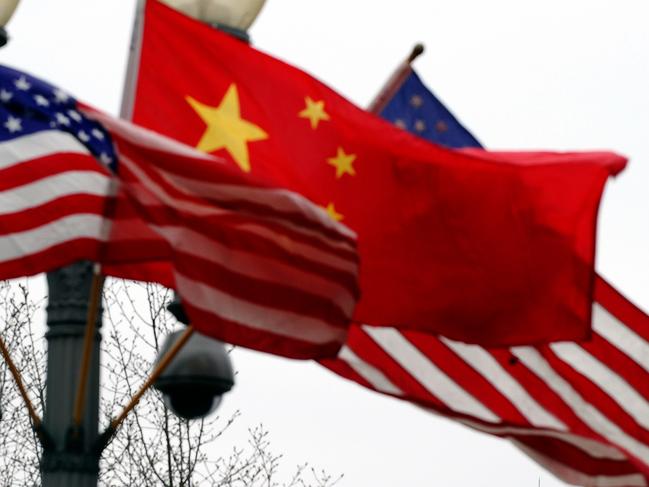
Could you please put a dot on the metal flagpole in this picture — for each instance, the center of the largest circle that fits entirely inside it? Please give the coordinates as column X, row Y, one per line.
column 130, row 82
column 395, row 81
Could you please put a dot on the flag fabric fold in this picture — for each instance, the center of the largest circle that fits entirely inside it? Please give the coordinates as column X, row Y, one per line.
column 576, row 408
column 255, row 265
column 513, row 235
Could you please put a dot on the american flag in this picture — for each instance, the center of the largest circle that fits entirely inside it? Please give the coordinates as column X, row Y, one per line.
column 581, row 410
column 54, row 192
column 256, row 266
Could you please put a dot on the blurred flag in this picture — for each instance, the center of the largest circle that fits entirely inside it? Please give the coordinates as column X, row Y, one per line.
column 578, row 409
column 581, row 410
column 482, row 247
column 410, row 105
column 255, row 265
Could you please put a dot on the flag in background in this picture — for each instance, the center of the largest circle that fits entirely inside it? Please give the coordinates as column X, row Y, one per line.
column 410, row 105
column 578, row 409
column 255, row 265
column 481, row 247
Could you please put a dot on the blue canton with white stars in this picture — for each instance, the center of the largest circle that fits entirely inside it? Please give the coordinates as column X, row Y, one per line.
column 29, row 105
column 416, row 109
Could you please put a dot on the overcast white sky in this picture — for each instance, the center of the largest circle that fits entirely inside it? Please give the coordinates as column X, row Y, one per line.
column 521, row 74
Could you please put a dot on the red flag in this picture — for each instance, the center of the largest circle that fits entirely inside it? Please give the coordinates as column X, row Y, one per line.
column 493, row 248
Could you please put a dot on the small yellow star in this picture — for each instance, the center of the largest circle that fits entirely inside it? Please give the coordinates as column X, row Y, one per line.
column 344, row 163
column 226, row 129
column 314, row 112
column 333, row 214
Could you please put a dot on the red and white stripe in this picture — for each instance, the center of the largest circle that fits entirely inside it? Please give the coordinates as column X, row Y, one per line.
column 52, row 199
column 581, row 410
column 255, row 266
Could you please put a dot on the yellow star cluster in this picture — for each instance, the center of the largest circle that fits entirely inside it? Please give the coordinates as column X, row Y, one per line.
column 343, row 162
column 227, row 129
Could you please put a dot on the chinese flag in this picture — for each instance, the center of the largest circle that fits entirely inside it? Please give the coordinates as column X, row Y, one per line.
column 482, row 247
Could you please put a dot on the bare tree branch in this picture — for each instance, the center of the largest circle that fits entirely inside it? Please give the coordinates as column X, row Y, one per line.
column 153, row 447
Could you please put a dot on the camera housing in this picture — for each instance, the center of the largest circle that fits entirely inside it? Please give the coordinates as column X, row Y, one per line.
column 195, row 381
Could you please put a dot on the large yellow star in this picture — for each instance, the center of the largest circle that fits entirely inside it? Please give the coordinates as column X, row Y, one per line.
column 344, row 163
column 314, row 112
column 226, row 129
column 333, row 214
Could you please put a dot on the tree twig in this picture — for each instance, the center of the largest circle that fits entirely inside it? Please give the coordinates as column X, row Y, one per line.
column 36, row 420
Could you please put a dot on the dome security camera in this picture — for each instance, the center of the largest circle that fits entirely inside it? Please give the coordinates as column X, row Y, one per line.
column 195, row 381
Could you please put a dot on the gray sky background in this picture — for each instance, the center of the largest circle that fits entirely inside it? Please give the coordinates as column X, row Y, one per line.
column 521, row 74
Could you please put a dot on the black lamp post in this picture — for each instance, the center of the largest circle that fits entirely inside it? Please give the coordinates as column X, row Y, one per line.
column 70, row 458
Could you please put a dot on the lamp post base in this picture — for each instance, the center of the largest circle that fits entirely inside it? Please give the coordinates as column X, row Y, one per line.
column 70, row 479
column 71, row 459
column 67, row 469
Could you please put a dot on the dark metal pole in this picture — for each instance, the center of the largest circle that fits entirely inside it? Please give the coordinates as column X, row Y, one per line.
column 71, row 459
